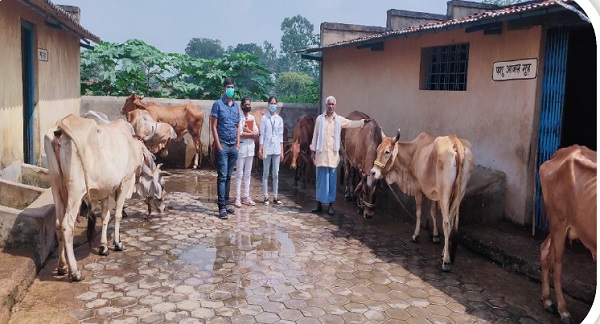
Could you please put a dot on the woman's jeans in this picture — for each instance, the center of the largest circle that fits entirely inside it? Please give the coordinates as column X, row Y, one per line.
column 226, row 159
column 272, row 159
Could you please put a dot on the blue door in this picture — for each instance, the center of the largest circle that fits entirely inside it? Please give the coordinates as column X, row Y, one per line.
column 553, row 95
column 27, row 56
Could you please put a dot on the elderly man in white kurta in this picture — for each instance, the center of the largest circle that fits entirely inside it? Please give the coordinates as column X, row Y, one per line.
column 325, row 152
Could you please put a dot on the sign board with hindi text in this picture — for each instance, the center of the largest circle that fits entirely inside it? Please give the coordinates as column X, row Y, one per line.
column 515, row 70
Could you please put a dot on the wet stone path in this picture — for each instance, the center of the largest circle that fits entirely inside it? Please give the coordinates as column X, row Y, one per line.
column 270, row 264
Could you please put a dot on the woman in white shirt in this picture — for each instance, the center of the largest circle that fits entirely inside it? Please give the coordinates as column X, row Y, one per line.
column 271, row 148
column 249, row 131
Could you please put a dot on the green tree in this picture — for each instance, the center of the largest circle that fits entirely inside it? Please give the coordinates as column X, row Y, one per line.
column 134, row 66
column 250, row 48
column 270, row 56
column 120, row 69
column 298, row 34
column 204, row 48
column 297, row 87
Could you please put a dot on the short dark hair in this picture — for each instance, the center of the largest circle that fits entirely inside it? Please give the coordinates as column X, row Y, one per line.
column 228, row 81
column 244, row 99
column 271, row 98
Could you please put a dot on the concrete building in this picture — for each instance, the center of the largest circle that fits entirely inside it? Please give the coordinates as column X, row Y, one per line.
column 518, row 82
column 40, row 79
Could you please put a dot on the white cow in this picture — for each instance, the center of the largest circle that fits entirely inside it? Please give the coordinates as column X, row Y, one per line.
column 156, row 135
column 94, row 162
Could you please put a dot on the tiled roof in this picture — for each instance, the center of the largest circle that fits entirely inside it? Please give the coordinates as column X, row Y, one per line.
column 62, row 17
column 481, row 18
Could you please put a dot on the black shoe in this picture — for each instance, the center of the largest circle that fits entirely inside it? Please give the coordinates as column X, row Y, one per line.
column 330, row 210
column 318, row 208
column 277, row 202
column 223, row 213
column 229, row 210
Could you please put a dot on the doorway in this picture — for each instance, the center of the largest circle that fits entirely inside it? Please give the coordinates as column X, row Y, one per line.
column 579, row 124
column 27, row 56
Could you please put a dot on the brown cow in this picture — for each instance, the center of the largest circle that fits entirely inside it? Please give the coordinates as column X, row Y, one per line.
column 185, row 118
column 359, row 149
column 155, row 135
column 300, row 149
column 437, row 167
column 568, row 183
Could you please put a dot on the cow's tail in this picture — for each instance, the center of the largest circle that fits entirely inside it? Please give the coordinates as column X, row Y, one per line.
column 457, row 192
column 200, row 148
column 78, row 149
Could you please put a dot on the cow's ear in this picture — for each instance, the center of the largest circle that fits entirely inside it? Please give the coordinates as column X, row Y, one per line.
column 394, row 153
column 397, row 138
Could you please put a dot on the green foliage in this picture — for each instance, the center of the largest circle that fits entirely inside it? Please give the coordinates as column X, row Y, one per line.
column 297, row 35
column 297, row 87
column 204, row 48
column 136, row 67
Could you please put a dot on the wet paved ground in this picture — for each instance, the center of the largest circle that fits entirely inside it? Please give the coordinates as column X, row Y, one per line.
column 276, row 265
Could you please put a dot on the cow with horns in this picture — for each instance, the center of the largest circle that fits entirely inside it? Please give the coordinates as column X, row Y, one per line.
column 435, row 167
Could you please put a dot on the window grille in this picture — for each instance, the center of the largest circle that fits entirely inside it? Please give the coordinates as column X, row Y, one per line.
column 445, row 67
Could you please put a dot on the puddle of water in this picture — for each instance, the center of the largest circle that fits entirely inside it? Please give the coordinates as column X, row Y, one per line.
column 247, row 249
column 199, row 183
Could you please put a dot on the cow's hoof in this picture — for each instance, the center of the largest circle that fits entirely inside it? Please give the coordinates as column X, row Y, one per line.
column 77, row 277
column 436, row 239
column 61, row 271
column 415, row 238
column 566, row 319
column 119, row 246
column 446, row 266
column 550, row 308
column 124, row 214
column 103, row 250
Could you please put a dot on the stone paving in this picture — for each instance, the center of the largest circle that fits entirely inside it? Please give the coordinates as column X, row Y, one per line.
column 270, row 264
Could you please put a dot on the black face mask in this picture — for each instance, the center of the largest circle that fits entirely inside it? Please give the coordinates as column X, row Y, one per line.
column 246, row 109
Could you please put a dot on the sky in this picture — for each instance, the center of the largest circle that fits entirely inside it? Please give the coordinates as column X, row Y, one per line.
column 170, row 25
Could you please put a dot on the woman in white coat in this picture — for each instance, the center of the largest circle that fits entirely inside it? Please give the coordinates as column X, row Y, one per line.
column 249, row 131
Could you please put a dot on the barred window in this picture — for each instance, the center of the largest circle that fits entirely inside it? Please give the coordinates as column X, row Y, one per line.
column 445, row 67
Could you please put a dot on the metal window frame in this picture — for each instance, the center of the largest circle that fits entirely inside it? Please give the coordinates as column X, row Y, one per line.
column 446, row 67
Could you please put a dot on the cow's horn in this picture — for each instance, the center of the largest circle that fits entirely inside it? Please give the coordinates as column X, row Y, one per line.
column 397, row 138
column 149, row 137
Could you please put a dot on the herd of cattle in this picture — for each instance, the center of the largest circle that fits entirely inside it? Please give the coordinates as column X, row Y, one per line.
column 92, row 159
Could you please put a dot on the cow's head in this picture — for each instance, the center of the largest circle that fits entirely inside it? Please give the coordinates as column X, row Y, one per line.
column 150, row 183
column 366, row 191
column 386, row 155
column 131, row 103
column 295, row 149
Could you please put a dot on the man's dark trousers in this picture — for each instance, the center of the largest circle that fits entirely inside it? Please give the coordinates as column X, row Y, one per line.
column 226, row 159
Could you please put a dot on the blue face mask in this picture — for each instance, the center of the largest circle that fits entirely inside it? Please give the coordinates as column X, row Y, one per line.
column 229, row 92
column 273, row 108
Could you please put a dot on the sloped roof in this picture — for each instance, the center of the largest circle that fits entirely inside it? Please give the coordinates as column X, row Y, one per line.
column 473, row 20
column 59, row 16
